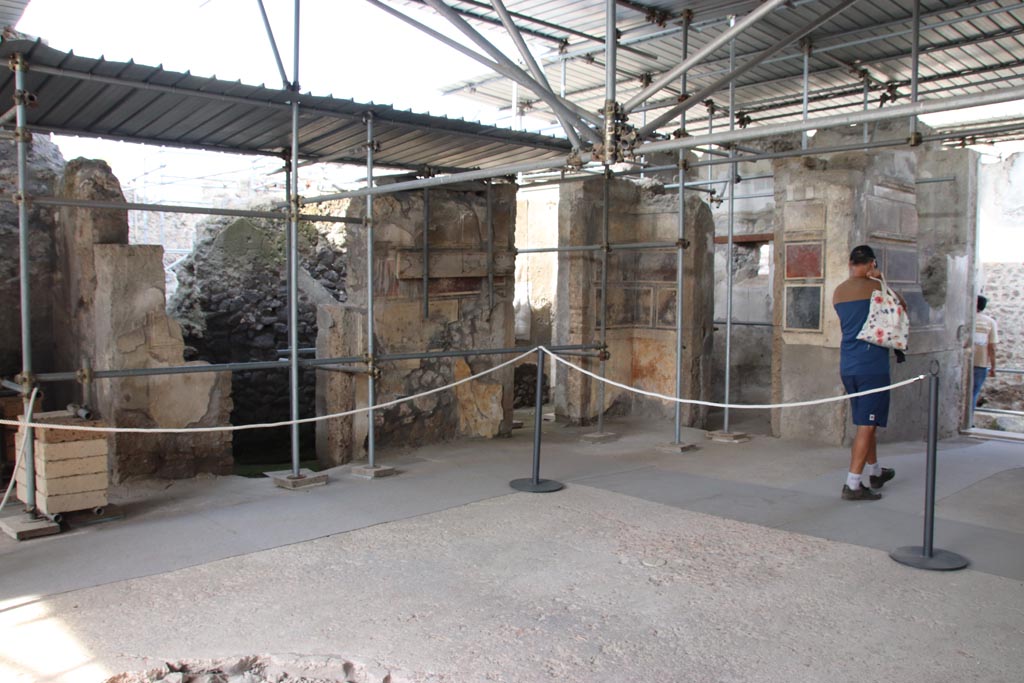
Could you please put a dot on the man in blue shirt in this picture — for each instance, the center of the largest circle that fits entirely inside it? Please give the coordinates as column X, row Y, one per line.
column 863, row 366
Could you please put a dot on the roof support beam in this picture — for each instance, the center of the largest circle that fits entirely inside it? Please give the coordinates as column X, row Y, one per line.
column 535, row 69
column 870, row 116
column 273, row 46
column 753, row 133
column 515, row 73
column 672, row 74
column 747, row 66
column 823, row 44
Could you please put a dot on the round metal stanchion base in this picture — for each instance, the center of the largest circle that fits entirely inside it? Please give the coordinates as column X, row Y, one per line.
column 542, row 486
column 941, row 560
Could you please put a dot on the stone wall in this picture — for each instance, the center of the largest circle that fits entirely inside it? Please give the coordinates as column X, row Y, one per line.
column 922, row 234
column 460, row 316
column 232, row 301
column 1004, row 287
column 536, row 226
column 111, row 310
column 45, row 165
column 641, row 298
column 752, row 292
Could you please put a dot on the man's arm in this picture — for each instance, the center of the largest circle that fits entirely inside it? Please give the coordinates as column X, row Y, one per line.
column 992, row 359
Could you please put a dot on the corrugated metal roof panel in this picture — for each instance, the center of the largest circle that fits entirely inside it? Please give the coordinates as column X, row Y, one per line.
column 100, row 98
column 982, row 38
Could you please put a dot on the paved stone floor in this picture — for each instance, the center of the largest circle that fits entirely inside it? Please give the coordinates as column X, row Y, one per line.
column 725, row 563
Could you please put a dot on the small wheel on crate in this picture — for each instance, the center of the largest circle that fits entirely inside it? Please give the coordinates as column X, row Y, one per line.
column 98, row 511
column 57, row 518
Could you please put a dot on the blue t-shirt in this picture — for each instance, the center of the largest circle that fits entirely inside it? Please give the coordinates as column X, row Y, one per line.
column 857, row 357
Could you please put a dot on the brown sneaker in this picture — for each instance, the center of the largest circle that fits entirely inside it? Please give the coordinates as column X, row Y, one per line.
column 886, row 475
column 860, row 493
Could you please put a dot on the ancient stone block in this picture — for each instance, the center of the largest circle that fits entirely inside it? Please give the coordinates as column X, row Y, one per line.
column 479, row 403
column 883, row 215
column 62, row 417
column 62, row 486
column 803, row 215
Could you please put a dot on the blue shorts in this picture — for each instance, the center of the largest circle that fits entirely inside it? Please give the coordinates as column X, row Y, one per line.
column 871, row 410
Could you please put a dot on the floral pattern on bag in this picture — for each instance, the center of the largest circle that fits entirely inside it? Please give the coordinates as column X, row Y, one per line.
column 888, row 324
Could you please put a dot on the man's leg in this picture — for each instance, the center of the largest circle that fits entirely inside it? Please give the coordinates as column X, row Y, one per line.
column 863, row 443
column 980, row 373
column 864, row 446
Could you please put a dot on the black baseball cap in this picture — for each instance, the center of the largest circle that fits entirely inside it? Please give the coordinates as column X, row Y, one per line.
column 862, row 254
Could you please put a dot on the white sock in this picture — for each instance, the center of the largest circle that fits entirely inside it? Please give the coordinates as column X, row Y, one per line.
column 865, row 479
column 853, row 481
column 874, row 469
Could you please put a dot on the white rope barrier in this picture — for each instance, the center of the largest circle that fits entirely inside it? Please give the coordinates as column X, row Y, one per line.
column 748, row 406
column 388, row 404
column 265, row 425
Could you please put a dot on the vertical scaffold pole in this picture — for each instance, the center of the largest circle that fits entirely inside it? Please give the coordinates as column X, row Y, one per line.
column 603, row 330
column 728, row 253
column 371, row 389
column 293, row 263
column 807, row 68
column 681, row 235
column 915, row 63
column 426, row 253
column 490, row 248
column 21, row 136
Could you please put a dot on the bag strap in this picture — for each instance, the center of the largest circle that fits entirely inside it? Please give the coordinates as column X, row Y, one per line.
column 885, row 285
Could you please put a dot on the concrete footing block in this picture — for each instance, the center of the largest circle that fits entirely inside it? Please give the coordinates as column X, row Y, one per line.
column 23, row 527
column 307, row 478
column 375, row 472
column 728, row 437
column 599, row 437
column 671, row 447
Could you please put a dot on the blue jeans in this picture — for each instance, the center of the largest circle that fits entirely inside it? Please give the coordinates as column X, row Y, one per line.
column 979, row 379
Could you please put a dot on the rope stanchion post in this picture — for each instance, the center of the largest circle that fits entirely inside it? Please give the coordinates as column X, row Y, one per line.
column 535, row 484
column 926, row 556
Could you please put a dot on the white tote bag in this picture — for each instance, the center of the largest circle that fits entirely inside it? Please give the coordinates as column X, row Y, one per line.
column 888, row 324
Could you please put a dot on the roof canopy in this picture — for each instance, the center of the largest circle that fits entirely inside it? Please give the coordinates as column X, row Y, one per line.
column 857, row 51
column 128, row 101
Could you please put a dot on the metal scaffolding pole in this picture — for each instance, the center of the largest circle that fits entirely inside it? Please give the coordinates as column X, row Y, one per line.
column 680, row 245
column 177, row 208
column 730, row 227
column 603, row 331
column 20, row 67
column 611, row 106
column 426, row 253
column 915, row 62
column 273, row 45
column 293, row 264
column 501, row 63
column 371, row 388
column 807, row 68
column 720, row 40
column 734, row 73
column 919, row 108
column 535, row 70
column 490, row 249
